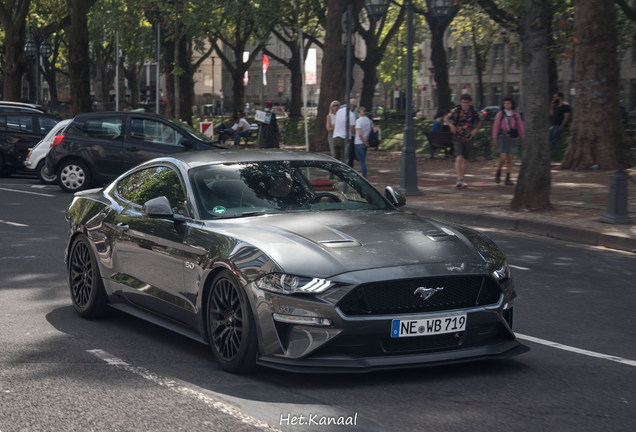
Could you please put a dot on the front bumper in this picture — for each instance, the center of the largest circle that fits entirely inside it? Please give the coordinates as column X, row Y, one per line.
column 362, row 343
column 343, row 364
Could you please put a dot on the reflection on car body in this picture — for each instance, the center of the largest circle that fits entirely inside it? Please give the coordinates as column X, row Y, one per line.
column 288, row 260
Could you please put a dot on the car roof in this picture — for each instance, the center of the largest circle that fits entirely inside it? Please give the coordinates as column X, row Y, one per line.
column 111, row 113
column 208, row 157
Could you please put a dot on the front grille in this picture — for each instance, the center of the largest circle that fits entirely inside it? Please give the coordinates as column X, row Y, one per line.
column 398, row 297
column 420, row 343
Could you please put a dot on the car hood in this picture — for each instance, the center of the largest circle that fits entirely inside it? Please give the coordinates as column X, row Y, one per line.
column 333, row 242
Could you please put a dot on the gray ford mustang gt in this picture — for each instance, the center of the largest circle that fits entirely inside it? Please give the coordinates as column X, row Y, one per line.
column 288, row 260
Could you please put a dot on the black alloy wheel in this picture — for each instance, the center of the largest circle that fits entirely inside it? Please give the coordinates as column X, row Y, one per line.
column 87, row 289
column 43, row 175
column 231, row 330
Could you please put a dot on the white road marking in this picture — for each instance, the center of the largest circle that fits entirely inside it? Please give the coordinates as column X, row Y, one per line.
column 27, row 192
column 12, row 223
column 179, row 387
column 577, row 350
column 23, row 257
column 518, row 268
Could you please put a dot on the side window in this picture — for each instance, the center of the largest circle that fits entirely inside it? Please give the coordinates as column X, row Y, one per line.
column 46, row 124
column 104, row 127
column 153, row 132
column 19, row 123
column 152, row 183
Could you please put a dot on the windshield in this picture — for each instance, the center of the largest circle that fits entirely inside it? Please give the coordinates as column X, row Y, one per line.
column 247, row 189
column 192, row 131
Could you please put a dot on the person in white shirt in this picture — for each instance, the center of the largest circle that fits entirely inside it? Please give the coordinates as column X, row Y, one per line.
column 340, row 129
column 363, row 130
column 240, row 129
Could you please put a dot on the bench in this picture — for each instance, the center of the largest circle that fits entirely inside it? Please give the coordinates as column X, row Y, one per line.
column 439, row 140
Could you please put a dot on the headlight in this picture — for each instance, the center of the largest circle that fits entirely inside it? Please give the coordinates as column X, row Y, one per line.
column 502, row 273
column 288, row 284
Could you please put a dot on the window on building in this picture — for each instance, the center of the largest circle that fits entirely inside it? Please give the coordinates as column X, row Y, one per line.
column 498, row 54
column 280, row 50
column 452, row 57
column 454, row 100
column 288, row 53
column 467, row 57
column 497, row 98
column 515, row 93
column 287, row 84
column 264, row 90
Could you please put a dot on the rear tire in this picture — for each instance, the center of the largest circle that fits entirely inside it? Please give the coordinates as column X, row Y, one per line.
column 44, row 178
column 73, row 176
column 230, row 324
column 85, row 282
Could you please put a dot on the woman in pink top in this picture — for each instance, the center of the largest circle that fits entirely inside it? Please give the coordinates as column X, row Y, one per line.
column 507, row 128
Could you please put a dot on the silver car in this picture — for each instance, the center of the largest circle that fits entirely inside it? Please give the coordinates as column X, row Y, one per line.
column 288, row 260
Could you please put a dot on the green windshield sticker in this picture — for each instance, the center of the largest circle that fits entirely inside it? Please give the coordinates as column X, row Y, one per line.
column 218, row 210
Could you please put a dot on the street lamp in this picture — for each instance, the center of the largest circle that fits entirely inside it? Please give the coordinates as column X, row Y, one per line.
column 376, row 8
column 441, row 9
column 37, row 47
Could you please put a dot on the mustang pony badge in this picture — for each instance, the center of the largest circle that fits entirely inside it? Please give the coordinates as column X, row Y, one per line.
column 427, row 293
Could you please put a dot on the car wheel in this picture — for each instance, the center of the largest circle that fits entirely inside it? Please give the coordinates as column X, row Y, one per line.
column 73, row 176
column 87, row 288
column 231, row 328
column 43, row 177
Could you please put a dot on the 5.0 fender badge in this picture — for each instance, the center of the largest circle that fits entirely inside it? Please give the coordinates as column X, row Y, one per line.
column 427, row 293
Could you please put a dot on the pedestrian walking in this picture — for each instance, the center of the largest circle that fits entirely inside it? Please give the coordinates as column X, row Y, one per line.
column 340, row 130
column 268, row 134
column 364, row 125
column 331, row 124
column 247, row 109
column 464, row 122
column 560, row 112
column 508, row 126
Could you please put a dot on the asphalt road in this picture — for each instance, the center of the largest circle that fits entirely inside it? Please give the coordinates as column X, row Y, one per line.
column 59, row 372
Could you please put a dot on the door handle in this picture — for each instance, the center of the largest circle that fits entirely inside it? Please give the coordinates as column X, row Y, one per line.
column 122, row 226
column 133, row 149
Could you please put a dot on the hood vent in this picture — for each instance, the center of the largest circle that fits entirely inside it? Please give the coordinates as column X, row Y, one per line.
column 442, row 235
column 343, row 242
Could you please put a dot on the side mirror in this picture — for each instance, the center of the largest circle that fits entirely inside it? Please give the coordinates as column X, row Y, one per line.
column 186, row 143
column 157, row 208
column 395, row 196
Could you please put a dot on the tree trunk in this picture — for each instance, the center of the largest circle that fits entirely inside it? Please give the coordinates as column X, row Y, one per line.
column 438, row 56
column 238, row 89
column 533, row 186
column 369, row 81
column 553, row 67
column 479, row 69
column 15, row 60
column 78, row 54
column 334, row 65
column 49, row 76
column 168, row 58
column 296, row 84
column 185, row 84
column 598, row 136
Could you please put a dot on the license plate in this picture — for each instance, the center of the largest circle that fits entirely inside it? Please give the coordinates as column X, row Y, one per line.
column 428, row 326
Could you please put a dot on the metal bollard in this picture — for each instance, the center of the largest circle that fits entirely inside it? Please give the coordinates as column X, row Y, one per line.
column 617, row 202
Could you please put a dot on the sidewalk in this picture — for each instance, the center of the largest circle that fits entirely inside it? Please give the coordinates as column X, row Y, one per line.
column 579, row 199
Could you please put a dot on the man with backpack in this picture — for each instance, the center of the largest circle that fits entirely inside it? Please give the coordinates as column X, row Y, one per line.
column 464, row 122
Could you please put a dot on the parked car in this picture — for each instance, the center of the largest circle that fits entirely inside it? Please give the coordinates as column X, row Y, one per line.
column 289, row 260
column 19, row 132
column 35, row 159
column 490, row 112
column 96, row 147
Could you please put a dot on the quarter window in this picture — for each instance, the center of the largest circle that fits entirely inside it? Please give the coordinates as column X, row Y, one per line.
column 46, row 124
column 151, row 183
column 107, row 128
column 154, row 132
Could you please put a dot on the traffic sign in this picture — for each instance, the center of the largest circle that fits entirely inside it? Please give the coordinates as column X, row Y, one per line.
column 207, row 129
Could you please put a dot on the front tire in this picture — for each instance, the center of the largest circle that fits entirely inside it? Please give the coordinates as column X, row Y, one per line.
column 73, row 176
column 43, row 177
column 85, row 282
column 231, row 328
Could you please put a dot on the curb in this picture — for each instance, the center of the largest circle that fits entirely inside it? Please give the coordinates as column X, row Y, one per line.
column 559, row 232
